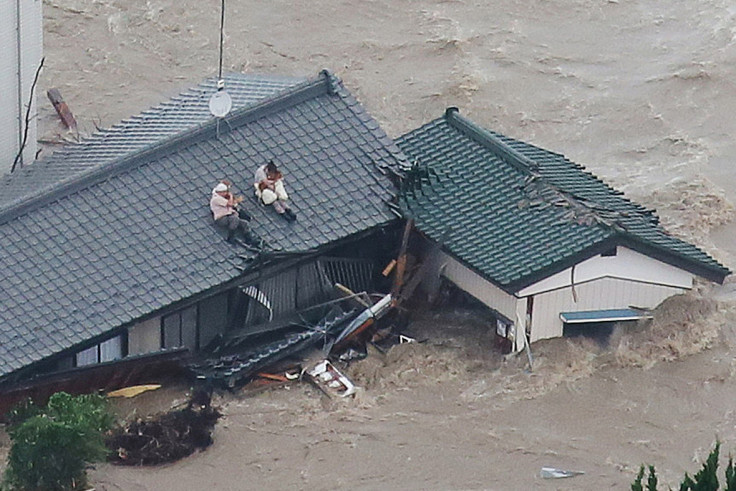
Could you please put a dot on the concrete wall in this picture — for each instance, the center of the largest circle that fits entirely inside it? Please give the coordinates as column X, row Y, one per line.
column 19, row 19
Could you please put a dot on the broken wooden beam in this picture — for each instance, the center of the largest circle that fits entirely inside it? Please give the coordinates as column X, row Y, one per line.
column 401, row 261
column 389, row 267
column 65, row 114
column 351, row 294
column 416, row 278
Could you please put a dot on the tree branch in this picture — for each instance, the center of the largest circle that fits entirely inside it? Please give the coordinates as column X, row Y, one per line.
column 28, row 117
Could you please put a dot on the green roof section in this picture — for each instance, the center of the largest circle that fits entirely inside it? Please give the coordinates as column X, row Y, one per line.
column 516, row 213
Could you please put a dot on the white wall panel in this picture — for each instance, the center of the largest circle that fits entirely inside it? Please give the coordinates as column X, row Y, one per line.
column 626, row 264
column 627, row 279
column 475, row 285
column 13, row 108
column 600, row 294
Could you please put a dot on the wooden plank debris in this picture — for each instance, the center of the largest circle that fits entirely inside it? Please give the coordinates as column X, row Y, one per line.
column 62, row 109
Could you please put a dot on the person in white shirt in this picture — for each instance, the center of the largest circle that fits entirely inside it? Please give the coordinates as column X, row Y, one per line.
column 269, row 185
column 223, row 205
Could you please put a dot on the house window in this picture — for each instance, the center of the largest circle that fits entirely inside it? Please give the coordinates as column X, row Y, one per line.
column 145, row 337
column 180, row 329
column 109, row 350
column 213, row 315
column 609, row 252
column 89, row 356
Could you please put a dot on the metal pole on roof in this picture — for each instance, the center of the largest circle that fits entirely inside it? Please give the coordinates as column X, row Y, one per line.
column 221, row 103
column 18, row 51
column 222, row 34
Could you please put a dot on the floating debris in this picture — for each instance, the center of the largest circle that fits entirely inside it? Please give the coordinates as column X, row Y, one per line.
column 133, row 390
column 552, row 473
column 330, row 380
column 165, row 438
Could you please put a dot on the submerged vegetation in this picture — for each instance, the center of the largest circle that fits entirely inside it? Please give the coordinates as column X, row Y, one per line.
column 53, row 445
column 705, row 480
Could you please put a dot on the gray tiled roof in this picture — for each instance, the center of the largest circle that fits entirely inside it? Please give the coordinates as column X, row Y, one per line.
column 516, row 213
column 187, row 110
column 136, row 234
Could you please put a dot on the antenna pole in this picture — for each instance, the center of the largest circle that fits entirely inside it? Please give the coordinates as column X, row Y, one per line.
column 222, row 33
column 221, row 103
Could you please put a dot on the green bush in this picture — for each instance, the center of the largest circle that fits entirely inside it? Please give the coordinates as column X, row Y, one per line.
column 53, row 445
column 651, row 481
column 705, row 480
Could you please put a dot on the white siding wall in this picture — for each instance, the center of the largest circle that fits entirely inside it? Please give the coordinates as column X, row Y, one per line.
column 475, row 285
column 626, row 264
column 603, row 293
column 12, row 116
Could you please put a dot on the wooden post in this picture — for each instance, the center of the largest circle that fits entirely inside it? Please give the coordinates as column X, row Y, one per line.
column 401, row 261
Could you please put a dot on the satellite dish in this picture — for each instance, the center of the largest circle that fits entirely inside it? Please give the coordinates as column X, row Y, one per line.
column 220, row 104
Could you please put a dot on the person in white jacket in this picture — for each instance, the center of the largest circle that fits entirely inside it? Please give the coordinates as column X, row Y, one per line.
column 269, row 185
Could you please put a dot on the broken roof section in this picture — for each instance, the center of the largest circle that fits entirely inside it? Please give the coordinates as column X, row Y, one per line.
column 130, row 237
column 187, row 110
column 516, row 213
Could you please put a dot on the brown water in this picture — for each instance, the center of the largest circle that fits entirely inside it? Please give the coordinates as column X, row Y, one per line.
column 642, row 93
column 451, row 414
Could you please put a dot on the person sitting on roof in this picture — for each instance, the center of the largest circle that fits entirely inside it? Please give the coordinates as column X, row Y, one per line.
column 269, row 185
column 223, row 205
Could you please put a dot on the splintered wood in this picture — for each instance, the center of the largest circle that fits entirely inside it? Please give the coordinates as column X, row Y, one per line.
column 65, row 114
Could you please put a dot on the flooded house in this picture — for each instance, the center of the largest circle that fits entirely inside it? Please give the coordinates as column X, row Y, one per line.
column 113, row 270
column 546, row 245
column 109, row 250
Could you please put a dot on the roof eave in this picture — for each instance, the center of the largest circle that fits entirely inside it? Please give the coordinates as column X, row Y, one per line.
column 561, row 265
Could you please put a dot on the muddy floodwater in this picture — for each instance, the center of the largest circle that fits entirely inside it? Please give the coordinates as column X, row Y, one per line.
column 641, row 93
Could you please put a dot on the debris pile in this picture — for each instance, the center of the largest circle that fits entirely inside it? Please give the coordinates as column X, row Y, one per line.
column 239, row 364
column 338, row 329
column 165, row 438
column 307, row 342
